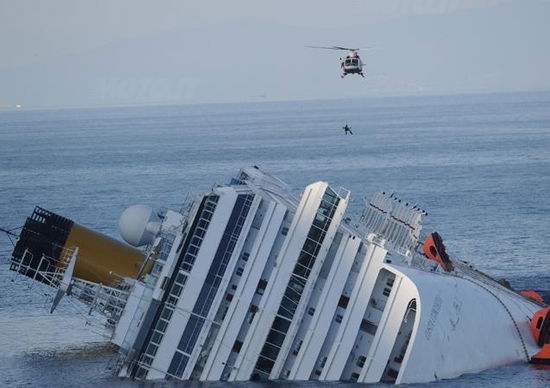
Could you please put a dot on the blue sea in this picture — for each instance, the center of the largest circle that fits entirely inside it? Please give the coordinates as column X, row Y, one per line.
column 479, row 164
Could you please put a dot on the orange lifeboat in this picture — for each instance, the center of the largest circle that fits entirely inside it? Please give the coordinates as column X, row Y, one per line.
column 540, row 328
column 434, row 249
column 532, row 295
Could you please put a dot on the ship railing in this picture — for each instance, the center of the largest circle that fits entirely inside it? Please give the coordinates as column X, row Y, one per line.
column 397, row 222
column 62, row 263
column 51, row 278
column 463, row 269
column 342, row 192
column 488, row 284
column 142, row 364
column 108, row 301
column 259, row 180
column 132, row 363
column 422, row 263
column 158, row 254
column 129, row 337
column 186, row 205
column 116, row 363
column 466, row 270
column 19, row 265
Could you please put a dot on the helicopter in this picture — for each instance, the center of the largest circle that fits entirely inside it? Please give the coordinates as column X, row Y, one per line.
column 351, row 63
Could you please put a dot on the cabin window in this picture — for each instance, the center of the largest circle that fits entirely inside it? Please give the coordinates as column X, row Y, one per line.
column 237, row 346
column 281, row 324
column 368, row 327
column 262, row 284
column 343, row 302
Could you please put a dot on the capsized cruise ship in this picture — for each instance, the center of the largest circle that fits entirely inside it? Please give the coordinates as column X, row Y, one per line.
column 250, row 282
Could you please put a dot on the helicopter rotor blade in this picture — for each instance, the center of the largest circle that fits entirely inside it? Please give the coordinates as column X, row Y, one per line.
column 345, row 48
column 333, row 48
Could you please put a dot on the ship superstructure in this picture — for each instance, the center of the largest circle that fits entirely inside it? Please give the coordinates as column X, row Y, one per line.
column 249, row 282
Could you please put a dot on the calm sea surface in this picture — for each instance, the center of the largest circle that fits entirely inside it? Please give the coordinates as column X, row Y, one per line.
column 479, row 164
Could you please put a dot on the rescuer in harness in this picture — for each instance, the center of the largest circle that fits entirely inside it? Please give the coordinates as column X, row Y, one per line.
column 347, row 129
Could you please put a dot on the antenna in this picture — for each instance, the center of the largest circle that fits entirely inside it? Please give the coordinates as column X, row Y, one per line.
column 10, row 234
column 8, row 231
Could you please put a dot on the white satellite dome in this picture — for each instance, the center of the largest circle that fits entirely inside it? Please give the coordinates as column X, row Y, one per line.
column 138, row 225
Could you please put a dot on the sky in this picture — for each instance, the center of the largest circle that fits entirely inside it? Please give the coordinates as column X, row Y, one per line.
column 132, row 52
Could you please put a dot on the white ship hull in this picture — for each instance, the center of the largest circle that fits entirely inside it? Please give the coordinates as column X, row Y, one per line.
column 250, row 283
column 464, row 326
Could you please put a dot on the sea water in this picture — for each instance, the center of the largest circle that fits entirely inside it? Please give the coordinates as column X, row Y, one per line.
column 478, row 164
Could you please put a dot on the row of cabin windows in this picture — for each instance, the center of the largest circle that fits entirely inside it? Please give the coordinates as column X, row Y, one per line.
column 179, row 283
column 156, row 338
column 213, row 279
column 162, row 323
column 291, row 297
column 240, row 270
column 272, row 346
column 167, row 241
column 343, row 302
column 199, row 232
column 297, row 281
column 178, row 364
column 177, row 289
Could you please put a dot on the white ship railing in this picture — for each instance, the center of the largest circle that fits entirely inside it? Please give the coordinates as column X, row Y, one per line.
column 488, row 284
column 397, row 222
column 108, row 301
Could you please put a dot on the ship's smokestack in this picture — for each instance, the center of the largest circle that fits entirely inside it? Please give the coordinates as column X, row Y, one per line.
column 47, row 239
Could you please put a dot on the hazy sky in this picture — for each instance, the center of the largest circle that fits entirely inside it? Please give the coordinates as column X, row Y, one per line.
column 88, row 53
